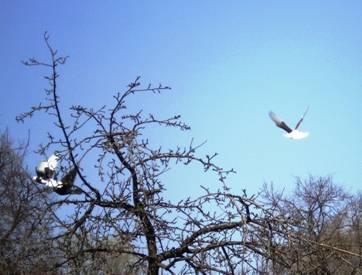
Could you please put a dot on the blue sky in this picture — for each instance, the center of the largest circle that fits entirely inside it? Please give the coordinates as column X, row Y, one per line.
column 229, row 63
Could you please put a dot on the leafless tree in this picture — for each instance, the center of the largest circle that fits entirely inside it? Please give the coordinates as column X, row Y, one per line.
column 350, row 238
column 214, row 232
column 99, row 262
column 321, row 220
column 24, row 222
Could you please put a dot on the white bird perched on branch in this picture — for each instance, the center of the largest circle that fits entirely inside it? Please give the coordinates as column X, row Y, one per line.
column 46, row 169
column 291, row 133
column 45, row 172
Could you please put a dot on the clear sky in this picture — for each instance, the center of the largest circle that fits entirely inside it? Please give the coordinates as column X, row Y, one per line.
column 229, row 63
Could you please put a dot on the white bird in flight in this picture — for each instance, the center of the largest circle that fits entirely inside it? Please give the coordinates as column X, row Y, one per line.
column 291, row 133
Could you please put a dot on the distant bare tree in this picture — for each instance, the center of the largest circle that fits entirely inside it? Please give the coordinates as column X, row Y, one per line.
column 350, row 239
column 99, row 262
column 24, row 221
column 216, row 232
column 318, row 228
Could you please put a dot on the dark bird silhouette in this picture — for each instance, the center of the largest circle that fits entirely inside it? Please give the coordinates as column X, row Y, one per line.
column 66, row 185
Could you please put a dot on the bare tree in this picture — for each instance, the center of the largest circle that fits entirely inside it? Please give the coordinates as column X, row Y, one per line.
column 215, row 232
column 350, row 239
column 24, row 222
column 100, row 262
column 320, row 220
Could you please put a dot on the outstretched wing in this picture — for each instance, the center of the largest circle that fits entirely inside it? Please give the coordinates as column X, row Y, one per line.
column 68, row 187
column 69, row 178
column 301, row 120
column 280, row 123
column 53, row 162
column 76, row 190
column 68, row 191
